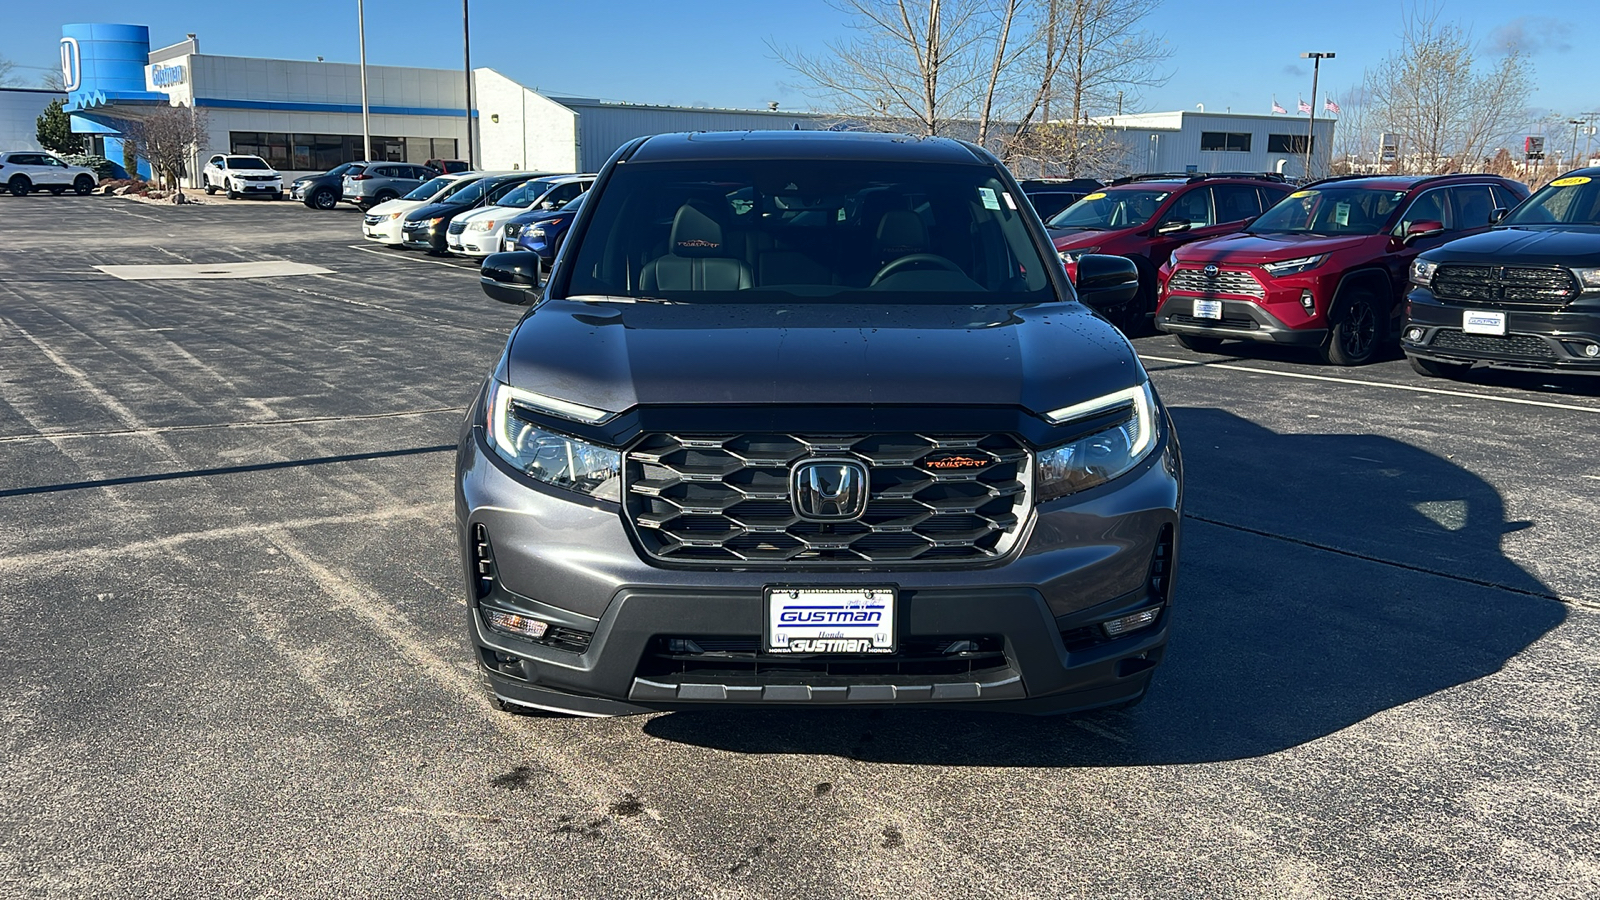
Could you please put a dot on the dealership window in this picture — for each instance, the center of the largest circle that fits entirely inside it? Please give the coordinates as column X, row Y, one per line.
column 320, row 152
column 1286, row 143
column 1225, row 140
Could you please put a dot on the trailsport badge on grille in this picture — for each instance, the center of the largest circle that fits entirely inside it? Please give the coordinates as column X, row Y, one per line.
column 829, row 490
column 950, row 461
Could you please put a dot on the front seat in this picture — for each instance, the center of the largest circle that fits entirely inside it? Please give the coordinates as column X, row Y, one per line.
column 697, row 259
column 900, row 233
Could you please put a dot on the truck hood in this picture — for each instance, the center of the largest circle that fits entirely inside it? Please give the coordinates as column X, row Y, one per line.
column 1074, row 238
column 1255, row 249
column 1546, row 245
column 614, row 356
column 498, row 213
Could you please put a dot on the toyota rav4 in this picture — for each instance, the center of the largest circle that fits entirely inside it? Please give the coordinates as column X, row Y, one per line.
column 810, row 419
column 1326, row 268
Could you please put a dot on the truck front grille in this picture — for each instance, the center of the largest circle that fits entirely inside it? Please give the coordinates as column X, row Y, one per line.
column 457, row 228
column 1525, row 345
column 1514, row 285
column 1224, row 283
column 719, row 499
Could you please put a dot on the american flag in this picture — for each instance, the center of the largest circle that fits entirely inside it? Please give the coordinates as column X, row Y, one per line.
column 1304, row 106
column 1278, row 110
column 1330, row 106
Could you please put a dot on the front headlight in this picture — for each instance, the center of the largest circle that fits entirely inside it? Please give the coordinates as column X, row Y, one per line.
column 1294, row 266
column 1422, row 271
column 544, row 455
column 436, row 221
column 481, row 225
column 536, row 231
column 393, row 216
column 1071, row 257
column 1097, row 458
column 1589, row 278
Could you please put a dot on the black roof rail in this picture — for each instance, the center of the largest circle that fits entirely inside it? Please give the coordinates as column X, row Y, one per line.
column 1193, row 177
column 1154, row 176
column 1060, row 183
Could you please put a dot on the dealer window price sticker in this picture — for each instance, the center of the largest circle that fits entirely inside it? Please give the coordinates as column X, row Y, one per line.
column 830, row 620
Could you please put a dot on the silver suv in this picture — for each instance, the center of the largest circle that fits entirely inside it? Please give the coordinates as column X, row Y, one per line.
column 382, row 182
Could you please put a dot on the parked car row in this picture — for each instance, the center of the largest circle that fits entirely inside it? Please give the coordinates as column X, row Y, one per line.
column 468, row 213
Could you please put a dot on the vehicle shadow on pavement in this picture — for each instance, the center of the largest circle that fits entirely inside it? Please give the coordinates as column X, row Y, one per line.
column 1323, row 579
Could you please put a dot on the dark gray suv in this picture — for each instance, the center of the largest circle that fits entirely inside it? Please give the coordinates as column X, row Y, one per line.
column 814, row 419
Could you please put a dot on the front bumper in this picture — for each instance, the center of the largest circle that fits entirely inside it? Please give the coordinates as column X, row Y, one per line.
column 1082, row 560
column 425, row 238
column 1537, row 339
column 1242, row 320
column 474, row 243
column 257, row 187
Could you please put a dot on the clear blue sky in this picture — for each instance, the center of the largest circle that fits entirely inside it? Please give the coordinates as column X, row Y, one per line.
column 713, row 52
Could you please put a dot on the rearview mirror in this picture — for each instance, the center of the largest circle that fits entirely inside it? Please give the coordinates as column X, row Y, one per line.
column 511, row 277
column 1106, row 282
column 1498, row 214
column 1173, row 227
column 1422, row 228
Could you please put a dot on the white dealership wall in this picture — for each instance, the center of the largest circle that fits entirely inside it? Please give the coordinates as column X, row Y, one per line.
column 522, row 129
column 19, row 116
column 1170, row 142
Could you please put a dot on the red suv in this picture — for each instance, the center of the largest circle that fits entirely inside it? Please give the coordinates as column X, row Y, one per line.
column 1327, row 266
column 1146, row 217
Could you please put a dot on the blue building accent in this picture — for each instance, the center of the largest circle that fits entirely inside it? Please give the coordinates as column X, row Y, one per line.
column 104, row 63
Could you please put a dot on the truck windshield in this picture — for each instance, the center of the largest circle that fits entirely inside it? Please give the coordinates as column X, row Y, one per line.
column 1574, row 200
column 1334, row 210
column 824, row 230
column 1104, row 210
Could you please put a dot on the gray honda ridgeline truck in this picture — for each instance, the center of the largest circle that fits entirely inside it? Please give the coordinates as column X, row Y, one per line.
column 815, row 419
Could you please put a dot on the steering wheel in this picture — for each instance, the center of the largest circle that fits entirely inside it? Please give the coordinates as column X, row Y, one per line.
column 893, row 266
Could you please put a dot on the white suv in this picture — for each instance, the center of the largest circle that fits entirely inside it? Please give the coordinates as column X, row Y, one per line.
column 241, row 176
column 30, row 170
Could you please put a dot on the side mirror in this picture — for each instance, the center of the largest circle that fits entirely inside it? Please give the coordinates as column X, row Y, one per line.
column 1106, row 282
column 1173, row 227
column 1499, row 213
column 1422, row 228
column 511, row 277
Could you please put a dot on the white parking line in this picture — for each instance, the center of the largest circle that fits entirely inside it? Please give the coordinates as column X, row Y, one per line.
column 1378, row 384
column 436, row 262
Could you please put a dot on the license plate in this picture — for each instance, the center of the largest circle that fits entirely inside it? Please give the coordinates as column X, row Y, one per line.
column 1208, row 309
column 1477, row 321
column 830, row 620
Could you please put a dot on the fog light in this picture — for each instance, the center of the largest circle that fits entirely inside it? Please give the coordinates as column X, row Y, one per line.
column 1414, row 335
column 1307, row 301
column 1131, row 622
column 514, row 624
column 1592, row 351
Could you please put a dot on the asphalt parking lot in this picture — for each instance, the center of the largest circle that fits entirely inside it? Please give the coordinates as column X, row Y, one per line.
column 235, row 661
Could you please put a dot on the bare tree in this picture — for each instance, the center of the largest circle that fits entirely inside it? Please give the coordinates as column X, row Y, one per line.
column 51, row 80
column 168, row 139
column 992, row 71
column 1448, row 109
column 8, row 72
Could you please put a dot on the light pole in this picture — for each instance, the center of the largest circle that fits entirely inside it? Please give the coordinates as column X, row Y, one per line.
column 366, row 120
column 1311, row 127
column 466, row 56
column 1574, row 123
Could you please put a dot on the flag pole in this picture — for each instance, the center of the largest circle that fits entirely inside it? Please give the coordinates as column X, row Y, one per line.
column 1311, row 126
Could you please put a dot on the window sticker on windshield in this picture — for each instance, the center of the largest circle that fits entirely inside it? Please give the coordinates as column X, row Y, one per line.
column 1009, row 202
column 1341, row 213
column 990, row 201
column 1097, row 195
column 1302, row 193
column 1570, row 181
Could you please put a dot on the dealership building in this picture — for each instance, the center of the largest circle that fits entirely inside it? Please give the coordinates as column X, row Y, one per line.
column 1198, row 141
column 306, row 116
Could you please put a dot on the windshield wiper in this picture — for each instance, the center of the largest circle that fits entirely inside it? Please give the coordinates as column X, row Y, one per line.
column 614, row 298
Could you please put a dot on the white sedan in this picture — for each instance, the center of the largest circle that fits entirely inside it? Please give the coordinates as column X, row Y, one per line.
column 241, row 176
column 382, row 222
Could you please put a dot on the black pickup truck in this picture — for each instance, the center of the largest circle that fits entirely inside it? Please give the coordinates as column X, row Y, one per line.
column 810, row 419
